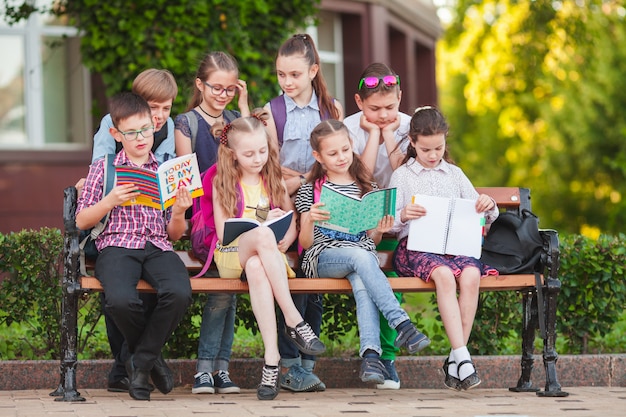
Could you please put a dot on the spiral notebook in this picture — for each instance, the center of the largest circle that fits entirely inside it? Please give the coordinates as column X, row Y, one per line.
column 451, row 226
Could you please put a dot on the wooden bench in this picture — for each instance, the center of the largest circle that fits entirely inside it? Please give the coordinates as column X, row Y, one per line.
column 539, row 297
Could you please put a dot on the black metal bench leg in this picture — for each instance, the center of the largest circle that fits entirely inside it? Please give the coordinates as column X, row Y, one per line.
column 529, row 324
column 553, row 388
column 66, row 390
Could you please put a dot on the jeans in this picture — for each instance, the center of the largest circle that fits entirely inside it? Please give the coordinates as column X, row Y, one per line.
column 119, row 270
column 310, row 307
column 217, row 331
column 371, row 290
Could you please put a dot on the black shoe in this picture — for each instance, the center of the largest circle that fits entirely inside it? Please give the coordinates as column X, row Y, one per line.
column 305, row 339
column 139, row 387
column 471, row 381
column 268, row 388
column 162, row 376
column 119, row 386
column 450, row 381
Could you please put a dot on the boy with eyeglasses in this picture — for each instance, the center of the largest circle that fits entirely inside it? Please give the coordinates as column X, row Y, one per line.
column 377, row 132
column 158, row 87
column 135, row 244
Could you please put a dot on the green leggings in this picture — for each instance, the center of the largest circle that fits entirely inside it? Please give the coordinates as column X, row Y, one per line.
column 387, row 334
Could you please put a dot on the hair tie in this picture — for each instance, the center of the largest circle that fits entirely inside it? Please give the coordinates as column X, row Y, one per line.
column 423, row 108
column 258, row 117
column 224, row 135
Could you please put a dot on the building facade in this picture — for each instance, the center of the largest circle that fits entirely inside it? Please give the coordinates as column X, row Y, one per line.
column 46, row 94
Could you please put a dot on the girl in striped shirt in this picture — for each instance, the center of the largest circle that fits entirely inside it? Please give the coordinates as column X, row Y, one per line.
column 329, row 253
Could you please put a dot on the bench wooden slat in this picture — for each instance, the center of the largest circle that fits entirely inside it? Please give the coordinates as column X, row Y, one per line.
column 505, row 197
column 331, row 285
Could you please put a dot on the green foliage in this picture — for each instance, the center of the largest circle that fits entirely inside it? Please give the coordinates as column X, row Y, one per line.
column 533, row 91
column 30, row 291
column 593, row 294
column 30, row 295
column 121, row 38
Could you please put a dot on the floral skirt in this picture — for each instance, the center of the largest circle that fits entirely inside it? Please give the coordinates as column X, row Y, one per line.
column 408, row 263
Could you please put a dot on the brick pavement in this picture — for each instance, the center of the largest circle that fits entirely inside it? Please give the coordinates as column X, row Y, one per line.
column 582, row 402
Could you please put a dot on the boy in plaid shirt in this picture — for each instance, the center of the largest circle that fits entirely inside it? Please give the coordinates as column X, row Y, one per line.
column 134, row 245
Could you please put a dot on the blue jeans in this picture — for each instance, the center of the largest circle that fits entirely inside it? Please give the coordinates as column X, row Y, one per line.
column 371, row 290
column 217, row 331
column 310, row 307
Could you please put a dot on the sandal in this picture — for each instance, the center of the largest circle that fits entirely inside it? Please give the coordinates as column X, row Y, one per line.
column 451, row 382
column 471, row 381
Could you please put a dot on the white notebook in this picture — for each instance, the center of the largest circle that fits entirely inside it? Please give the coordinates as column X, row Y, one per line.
column 451, row 226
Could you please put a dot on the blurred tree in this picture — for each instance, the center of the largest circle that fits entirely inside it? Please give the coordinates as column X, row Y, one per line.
column 533, row 91
column 123, row 37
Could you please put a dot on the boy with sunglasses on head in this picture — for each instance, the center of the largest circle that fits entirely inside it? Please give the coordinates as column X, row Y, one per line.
column 377, row 132
column 136, row 243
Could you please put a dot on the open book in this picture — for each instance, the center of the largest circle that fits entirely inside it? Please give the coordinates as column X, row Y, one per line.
column 352, row 215
column 158, row 189
column 237, row 226
column 451, row 226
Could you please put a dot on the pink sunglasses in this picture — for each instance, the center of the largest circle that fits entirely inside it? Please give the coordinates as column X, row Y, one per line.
column 372, row 82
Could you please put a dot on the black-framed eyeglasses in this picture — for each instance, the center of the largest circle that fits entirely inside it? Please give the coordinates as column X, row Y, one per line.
column 132, row 135
column 218, row 90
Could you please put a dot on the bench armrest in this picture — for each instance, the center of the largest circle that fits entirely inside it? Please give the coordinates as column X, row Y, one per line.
column 550, row 256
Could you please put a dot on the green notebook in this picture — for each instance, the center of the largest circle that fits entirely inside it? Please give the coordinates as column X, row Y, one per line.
column 353, row 215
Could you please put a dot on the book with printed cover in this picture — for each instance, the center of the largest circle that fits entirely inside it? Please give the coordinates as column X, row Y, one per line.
column 158, row 188
column 451, row 226
column 352, row 215
column 237, row 226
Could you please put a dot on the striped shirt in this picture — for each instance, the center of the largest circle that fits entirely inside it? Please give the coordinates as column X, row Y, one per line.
column 324, row 238
column 128, row 227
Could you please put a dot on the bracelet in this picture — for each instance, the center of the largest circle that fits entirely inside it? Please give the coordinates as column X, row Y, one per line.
column 302, row 180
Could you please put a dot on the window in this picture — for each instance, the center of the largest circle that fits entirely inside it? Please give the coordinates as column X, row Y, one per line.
column 44, row 88
column 327, row 36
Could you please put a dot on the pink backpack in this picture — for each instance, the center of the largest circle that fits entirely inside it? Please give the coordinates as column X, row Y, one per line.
column 203, row 235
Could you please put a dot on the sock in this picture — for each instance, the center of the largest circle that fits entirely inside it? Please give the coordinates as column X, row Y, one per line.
column 370, row 353
column 452, row 367
column 405, row 324
column 462, row 354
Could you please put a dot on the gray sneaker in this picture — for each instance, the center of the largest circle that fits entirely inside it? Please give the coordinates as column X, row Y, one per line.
column 298, row 379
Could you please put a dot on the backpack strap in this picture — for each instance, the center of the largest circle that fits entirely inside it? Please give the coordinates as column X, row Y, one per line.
column 107, row 186
column 279, row 113
column 192, row 121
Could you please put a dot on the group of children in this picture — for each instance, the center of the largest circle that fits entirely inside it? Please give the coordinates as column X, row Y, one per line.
column 265, row 163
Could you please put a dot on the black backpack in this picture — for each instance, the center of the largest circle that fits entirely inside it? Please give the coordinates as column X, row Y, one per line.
column 513, row 244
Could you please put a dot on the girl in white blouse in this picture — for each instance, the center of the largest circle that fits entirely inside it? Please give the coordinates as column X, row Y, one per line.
column 428, row 170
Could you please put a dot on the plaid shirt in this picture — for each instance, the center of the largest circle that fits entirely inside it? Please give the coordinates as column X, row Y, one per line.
column 128, row 227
